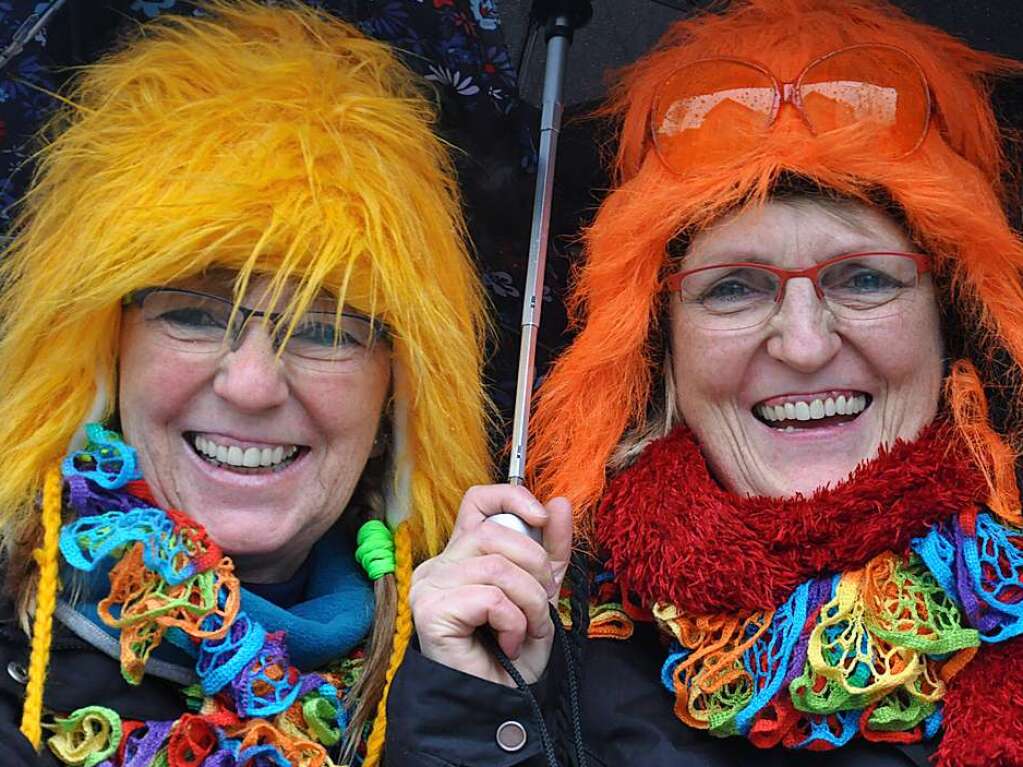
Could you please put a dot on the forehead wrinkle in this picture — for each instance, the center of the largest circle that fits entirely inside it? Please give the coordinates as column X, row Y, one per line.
column 805, row 232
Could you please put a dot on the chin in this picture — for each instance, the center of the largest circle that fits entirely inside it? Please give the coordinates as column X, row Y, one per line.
column 240, row 535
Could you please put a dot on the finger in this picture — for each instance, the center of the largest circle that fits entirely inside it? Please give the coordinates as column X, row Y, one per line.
column 557, row 537
column 494, row 570
column 456, row 614
column 485, row 501
column 496, row 539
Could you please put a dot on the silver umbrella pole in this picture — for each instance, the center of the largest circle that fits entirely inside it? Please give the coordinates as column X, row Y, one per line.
column 559, row 40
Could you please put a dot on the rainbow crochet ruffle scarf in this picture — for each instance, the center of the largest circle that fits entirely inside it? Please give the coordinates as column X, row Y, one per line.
column 251, row 706
column 885, row 608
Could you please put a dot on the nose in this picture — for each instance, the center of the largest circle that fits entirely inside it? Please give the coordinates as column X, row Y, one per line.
column 250, row 377
column 802, row 332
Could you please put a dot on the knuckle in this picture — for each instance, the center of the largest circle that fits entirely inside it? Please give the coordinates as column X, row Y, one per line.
column 423, row 613
column 486, row 535
column 474, row 493
column 523, row 495
column 495, row 598
column 536, row 559
column 493, row 567
column 536, row 601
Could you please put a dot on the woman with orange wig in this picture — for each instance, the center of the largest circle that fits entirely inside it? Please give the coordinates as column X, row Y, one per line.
column 789, row 423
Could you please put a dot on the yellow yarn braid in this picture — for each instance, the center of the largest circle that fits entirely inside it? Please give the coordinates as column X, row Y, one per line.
column 402, row 635
column 46, row 603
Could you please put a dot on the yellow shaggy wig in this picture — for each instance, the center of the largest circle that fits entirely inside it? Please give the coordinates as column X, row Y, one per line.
column 271, row 141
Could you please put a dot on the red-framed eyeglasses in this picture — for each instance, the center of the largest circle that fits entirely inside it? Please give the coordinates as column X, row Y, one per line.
column 858, row 286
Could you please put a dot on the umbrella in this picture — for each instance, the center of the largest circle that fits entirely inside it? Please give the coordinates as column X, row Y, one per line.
column 622, row 30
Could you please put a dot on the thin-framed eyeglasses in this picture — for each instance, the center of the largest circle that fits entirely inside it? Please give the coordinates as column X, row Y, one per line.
column 714, row 109
column 194, row 322
column 865, row 286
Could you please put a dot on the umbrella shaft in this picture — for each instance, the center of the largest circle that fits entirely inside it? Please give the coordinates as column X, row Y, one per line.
column 550, row 125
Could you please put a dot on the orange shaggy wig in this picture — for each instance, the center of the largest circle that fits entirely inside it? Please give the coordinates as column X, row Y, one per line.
column 950, row 190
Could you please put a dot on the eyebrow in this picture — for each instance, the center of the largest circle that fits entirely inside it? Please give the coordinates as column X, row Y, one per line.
column 724, row 259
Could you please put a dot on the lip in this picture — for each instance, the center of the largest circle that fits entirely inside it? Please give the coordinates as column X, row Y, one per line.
column 245, row 480
column 838, row 430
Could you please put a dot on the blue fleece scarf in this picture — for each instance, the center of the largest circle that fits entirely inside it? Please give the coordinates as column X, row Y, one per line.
column 330, row 620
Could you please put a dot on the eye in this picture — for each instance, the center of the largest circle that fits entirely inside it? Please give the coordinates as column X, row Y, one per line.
column 727, row 290
column 191, row 317
column 325, row 334
column 860, row 279
column 869, row 281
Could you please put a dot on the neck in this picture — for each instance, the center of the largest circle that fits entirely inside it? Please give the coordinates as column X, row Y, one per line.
column 272, row 567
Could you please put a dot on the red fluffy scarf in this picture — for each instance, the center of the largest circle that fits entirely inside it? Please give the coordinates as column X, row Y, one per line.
column 672, row 534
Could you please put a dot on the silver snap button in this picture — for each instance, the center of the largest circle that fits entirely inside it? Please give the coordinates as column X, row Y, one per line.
column 17, row 672
column 511, row 736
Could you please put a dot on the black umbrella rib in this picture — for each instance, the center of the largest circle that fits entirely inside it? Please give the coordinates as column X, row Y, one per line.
column 673, row 6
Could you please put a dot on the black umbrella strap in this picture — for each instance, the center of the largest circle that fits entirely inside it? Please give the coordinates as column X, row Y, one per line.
column 571, row 650
column 520, row 684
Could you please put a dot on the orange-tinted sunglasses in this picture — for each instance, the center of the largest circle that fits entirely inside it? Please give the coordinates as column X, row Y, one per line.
column 715, row 108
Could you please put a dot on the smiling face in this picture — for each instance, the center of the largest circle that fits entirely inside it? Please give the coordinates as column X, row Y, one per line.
column 799, row 401
column 199, row 422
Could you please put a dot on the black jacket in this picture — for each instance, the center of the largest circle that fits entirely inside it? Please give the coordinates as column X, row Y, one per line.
column 79, row 675
column 438, row 717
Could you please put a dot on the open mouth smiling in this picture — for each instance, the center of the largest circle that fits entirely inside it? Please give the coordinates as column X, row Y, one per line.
column 245, row 459
column 803, row 412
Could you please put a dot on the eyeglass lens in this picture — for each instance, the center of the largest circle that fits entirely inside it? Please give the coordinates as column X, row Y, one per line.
column 865, row 287
column 709, row 111
column 199, row 323
column 875, row 88
column 712, row 107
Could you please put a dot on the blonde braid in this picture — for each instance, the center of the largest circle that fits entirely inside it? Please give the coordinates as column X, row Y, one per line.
column 46, row 603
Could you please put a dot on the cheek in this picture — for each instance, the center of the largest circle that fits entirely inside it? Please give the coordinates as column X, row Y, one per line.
column 152, row 389
column 349, row 408
column 707, row 367
column 908, row 355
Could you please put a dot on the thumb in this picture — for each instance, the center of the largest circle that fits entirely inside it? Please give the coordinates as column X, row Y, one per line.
column 557, row 536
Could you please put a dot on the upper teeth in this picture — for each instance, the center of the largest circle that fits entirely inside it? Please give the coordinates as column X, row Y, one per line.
column 250, row 457
column 811, row 410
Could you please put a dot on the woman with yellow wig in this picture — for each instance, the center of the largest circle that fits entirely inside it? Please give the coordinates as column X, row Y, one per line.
column 790, row 421
column 240, row 390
